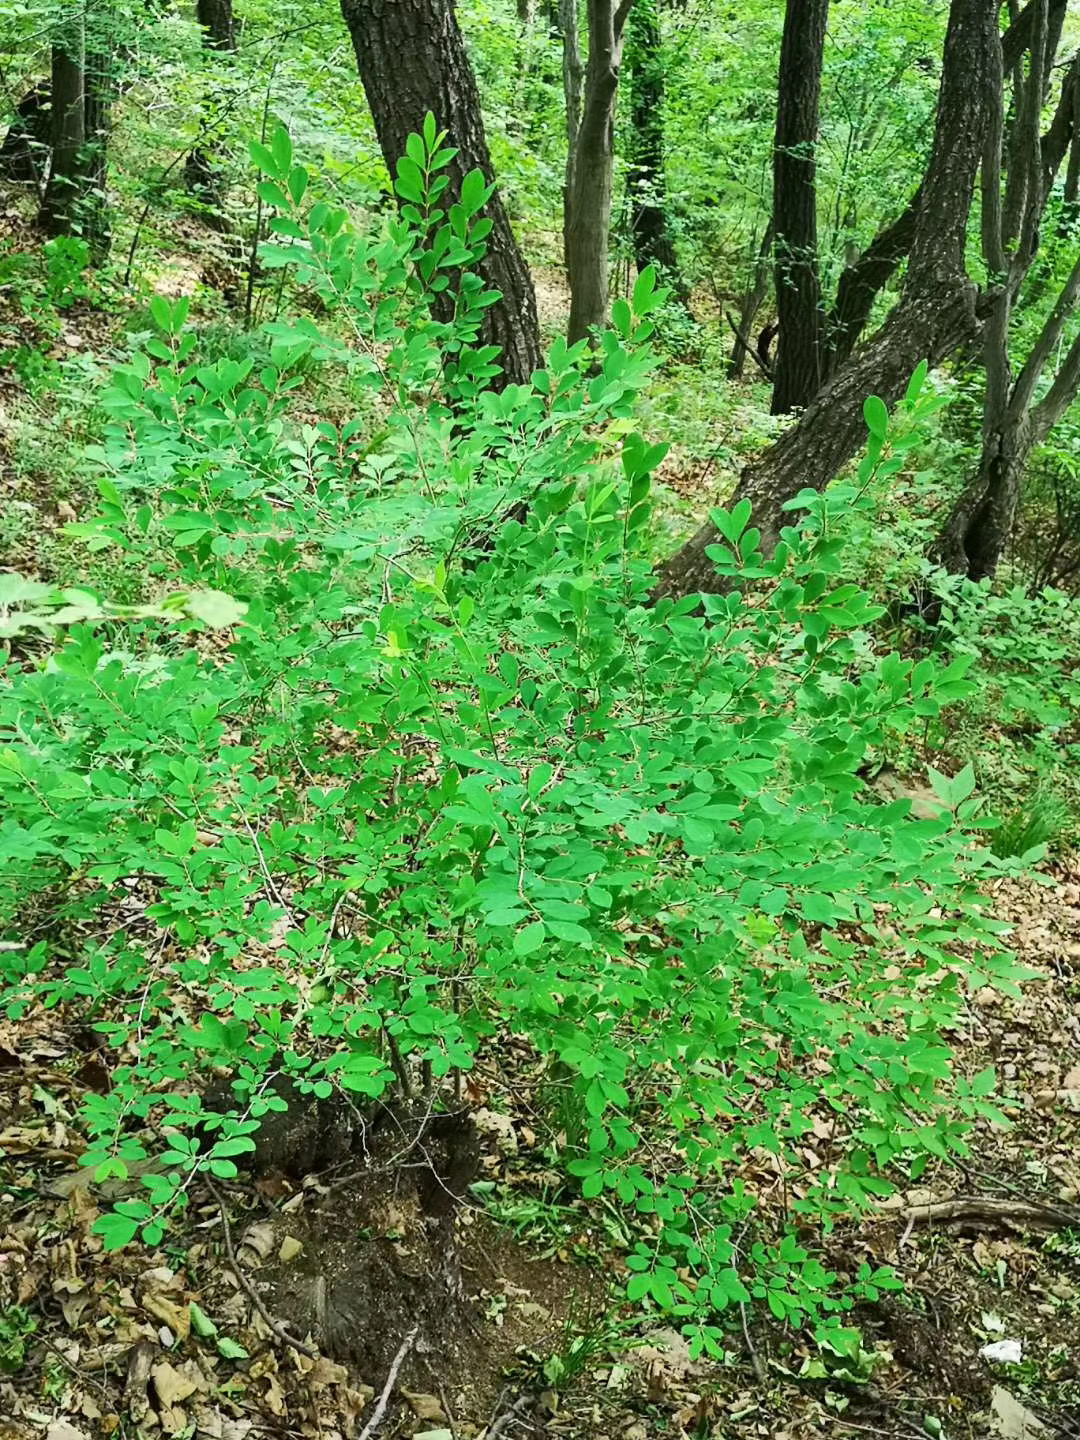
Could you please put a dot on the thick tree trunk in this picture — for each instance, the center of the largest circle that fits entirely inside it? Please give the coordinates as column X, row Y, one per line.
column 935, row 314
column 798, row 372
column 590, row 195
column 216, row 19
column 412, row 59
column 24, row 155
column 647, row 180
column 63, row 192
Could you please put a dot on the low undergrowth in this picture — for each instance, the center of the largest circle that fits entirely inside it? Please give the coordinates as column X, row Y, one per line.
column 394, row 758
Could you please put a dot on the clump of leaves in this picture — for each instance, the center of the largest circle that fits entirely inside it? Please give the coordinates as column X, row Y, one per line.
column 1041, row 822
column 447, row 776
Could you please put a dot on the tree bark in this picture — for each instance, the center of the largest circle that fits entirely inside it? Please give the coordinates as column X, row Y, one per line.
column 798, row 371
column 978, row 528
column 573, row 72
column 98, row 83
column 24, row 155
column 752, row 301
column 59, row 207
column 216, row 19
column 935, row 314
column 412, row 59
column 594, row 161
column 647, row 178
column 861, row 283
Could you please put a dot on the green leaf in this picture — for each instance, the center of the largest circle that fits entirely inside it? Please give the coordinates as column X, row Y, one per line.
column 231, row 1349
column 282, row 150
column 201, row 1322
column 115, row 1230
column 528, row 940
column 877, row 417
column 215, row 608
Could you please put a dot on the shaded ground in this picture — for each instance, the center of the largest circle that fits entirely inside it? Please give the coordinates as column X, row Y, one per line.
column 514, row 1313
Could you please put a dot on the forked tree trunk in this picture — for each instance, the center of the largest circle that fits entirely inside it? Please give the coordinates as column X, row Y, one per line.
column 798, row 373
column 412, row 59
column 935, row 314
column 977, row 531
column 589, row 227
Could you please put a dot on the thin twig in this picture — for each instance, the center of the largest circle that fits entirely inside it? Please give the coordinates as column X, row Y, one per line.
column 520, row 1405
column 249, row 1289
column 751, row 1348
column 391, row 1379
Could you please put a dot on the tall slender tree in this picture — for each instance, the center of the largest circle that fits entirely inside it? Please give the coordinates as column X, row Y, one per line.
column 589, row 223
column 650, row 231
column 412, row 59
column 798, row 371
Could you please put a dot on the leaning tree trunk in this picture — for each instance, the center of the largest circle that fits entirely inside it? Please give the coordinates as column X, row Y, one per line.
column 935, row 314
column 647, row 180
column 25, row 150
column 594, row 162
column 798, row 372
column 64, row 189
column 412, row 59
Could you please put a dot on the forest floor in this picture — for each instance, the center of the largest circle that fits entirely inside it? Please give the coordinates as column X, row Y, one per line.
column 508, row 1300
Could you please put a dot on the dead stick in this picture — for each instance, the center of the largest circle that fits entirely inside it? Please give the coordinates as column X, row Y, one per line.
column 384, row 1399
column 755, row 1358
column 991, row 1210
column 521, row 1404
column 249, row 1289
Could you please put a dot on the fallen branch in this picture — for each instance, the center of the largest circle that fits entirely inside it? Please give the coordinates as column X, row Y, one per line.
column 249, row 1289
column 991, row 1212
column 520, row 1405
column 391, row 1379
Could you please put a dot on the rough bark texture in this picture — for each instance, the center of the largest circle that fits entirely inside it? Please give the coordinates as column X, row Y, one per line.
column 412, row 58
column 590, row 196
column 860, row 284
column 216, row 19
column 798, row 371
column 977, row 530
column 935, row 314
column 24, row 155
column 94, row 217
column 62, row 192
column 650, row 234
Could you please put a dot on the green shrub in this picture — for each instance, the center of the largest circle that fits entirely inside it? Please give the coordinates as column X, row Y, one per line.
column 402, row 777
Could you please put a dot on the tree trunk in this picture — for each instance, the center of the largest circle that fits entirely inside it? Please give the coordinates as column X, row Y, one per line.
column 861, row 283
column 798, row 372
column 978, row 528
column 935, row 314
column 573, row 71
column 98, row 81
column 24, row 155
column 752, row 301
column 60, row 205
column 594, row 160
column 412, row 59
column 216, row 19
column 647, row 179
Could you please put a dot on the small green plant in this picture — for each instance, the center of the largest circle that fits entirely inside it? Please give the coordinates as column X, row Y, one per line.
column 1034, row 826
column 16, row 1327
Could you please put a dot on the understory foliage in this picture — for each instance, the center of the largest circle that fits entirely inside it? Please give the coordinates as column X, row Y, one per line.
column 414, row 764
